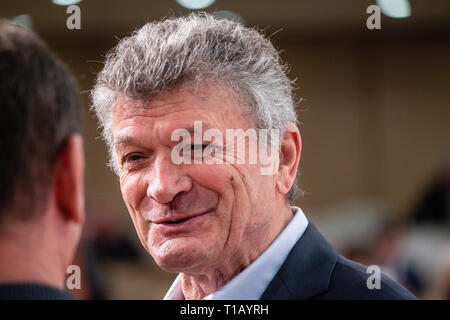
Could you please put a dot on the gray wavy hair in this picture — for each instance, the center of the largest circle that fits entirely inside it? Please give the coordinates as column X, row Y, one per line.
column 166, row 54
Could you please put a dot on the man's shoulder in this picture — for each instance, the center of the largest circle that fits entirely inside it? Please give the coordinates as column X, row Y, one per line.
column 32, row 291
column 352, row 280
column 315, row 270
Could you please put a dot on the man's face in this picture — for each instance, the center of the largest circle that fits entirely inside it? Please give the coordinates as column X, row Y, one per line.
column 190, row 217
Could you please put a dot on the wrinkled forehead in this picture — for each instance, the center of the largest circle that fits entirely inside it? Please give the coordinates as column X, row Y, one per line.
column 214, row 106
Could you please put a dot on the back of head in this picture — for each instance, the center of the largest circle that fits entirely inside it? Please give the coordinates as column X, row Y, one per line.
column 39, row 110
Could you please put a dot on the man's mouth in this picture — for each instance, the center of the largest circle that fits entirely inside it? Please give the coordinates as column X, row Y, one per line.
column 179, row 222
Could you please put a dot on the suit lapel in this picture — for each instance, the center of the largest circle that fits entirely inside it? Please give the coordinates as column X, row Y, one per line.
column 306, row 271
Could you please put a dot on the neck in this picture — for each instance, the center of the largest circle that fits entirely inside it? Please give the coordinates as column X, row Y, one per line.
column 199, row 285
column 26, row 256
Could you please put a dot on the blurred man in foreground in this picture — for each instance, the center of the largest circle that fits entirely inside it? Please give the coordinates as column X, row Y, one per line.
column 182, row 103
column 42, row 161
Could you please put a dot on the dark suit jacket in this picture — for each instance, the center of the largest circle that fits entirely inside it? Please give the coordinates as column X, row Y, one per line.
column 314, row 270
column 32, row 291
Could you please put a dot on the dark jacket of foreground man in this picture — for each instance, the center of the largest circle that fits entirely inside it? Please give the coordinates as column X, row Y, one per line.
column 32, row 291
column 314, row 270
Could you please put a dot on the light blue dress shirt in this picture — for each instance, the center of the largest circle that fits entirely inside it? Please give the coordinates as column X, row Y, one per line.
column 251, row 283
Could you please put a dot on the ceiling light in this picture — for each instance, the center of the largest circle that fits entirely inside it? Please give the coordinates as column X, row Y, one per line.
column 195, row 4
column 395, row 8
column 24, row 20
column 65, row 2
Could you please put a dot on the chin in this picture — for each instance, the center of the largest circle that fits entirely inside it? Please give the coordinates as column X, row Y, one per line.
column 180, row 255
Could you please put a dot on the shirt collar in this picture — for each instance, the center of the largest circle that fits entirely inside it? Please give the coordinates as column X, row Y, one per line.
column 253, row 280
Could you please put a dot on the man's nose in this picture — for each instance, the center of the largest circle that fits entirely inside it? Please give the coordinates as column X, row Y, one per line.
column 166, row 180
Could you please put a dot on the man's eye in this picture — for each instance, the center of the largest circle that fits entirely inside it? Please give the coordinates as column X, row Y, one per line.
column 131, row 158
column 198, row 146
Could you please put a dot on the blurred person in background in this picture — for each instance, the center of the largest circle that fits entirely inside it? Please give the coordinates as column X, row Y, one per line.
column 434, row 205
column 387, row 251
column 41, row 156
column 228, row 230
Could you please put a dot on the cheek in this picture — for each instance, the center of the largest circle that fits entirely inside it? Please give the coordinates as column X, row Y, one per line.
column 133, row 190
column 237, row 204
column 214, row 177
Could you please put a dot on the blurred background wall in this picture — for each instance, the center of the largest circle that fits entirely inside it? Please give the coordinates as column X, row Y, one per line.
column 374, row 115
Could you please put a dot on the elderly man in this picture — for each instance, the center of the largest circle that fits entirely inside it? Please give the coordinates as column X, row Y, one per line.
column 201, row 207
column 42, row 161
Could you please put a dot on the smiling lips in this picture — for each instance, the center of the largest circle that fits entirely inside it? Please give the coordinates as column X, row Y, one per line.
column 180, row 221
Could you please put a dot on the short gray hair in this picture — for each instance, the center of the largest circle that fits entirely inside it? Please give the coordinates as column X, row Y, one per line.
column 163, row 55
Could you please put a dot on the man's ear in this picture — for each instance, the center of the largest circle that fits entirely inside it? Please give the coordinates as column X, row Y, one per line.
column 68, row 176
column 290, row 151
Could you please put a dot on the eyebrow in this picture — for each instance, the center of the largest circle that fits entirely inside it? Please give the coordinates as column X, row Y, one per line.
column 205, row 126
column 191, row 130
column 128, row 139
column 124, row 139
